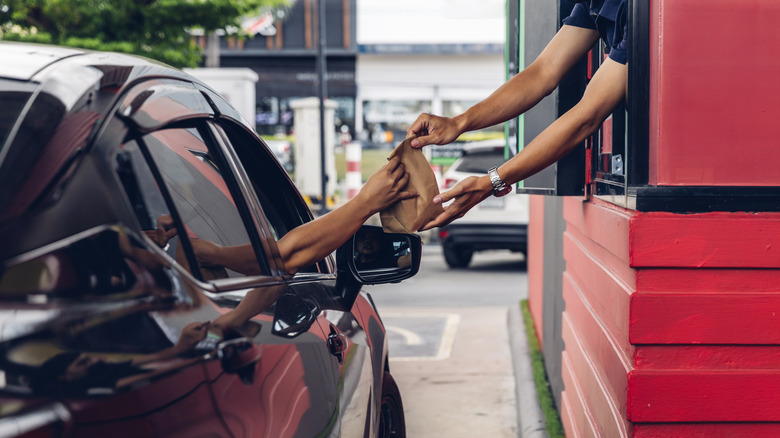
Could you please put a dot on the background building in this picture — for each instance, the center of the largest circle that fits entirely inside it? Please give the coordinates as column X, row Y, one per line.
column 384, row 65
column 284, row 56
column 438, row 56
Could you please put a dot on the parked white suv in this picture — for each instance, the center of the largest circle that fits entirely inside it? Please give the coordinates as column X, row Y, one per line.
column 495, row 223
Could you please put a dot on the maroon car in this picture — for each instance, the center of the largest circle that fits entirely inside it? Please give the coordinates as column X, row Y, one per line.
column 113, row 169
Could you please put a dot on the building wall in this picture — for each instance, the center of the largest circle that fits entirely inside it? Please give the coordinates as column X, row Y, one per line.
column 430, row 79
column 438, row 56
column 597, row 286
column 286, row 62
column 714, row 97
column 671, row 323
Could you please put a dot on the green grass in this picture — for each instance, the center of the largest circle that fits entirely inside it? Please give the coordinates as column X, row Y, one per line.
column 551, row 416
column 371, row 161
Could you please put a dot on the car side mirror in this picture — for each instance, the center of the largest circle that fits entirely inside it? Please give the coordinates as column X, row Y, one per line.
column 372, row 256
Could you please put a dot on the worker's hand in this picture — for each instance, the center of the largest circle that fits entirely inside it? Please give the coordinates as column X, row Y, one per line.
column 386, row 187
column 468, row 193
column 431, row 129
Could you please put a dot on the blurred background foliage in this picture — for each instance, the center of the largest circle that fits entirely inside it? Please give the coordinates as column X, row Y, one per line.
column 158, row 29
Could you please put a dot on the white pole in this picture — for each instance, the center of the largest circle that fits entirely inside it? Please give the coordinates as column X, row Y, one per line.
column 354, row 177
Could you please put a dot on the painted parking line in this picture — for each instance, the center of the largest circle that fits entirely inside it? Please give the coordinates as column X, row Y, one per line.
column 411, row 337
column 420, row 336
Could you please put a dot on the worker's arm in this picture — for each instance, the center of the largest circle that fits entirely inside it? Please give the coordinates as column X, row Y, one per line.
column 604, row 92
column 514, row 97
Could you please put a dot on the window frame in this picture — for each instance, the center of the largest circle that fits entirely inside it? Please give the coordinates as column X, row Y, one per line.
column 229, row 130
column 227, row 173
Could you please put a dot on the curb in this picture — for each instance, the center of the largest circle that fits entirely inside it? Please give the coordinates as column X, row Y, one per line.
column 530, row 418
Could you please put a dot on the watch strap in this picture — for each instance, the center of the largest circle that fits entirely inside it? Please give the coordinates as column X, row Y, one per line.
column 499, row 186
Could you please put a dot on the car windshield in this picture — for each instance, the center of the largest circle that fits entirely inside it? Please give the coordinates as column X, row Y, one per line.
column 481, row 161
column 13, row 95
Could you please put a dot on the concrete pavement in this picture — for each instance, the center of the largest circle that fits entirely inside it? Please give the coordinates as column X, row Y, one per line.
column 481, row 387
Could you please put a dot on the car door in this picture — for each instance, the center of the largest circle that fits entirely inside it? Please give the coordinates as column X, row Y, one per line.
column 279, row 383
column 348, row 352
column 119, row 332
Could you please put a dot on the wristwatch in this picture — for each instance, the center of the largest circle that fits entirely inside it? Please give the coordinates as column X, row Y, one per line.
column 499, row 186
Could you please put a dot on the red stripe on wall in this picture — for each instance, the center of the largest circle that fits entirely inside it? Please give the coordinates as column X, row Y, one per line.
column 605, row 224
column 707, row 240
column 610, row 364
column 712, row 357
column 609, row 299
column 607, row 415
column 582, row 424
column 703, row 318
column 708, row 280
column 699, row 430
column 567, row 417
column 616, row 266
column 724, row 396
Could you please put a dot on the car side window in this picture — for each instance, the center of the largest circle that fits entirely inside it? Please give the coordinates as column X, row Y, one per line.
column 200, row 195
column 280, row 201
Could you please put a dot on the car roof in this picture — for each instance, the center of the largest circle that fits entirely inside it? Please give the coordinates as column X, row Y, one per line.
column 39, row 62
column 57, row 99
column 22, row 61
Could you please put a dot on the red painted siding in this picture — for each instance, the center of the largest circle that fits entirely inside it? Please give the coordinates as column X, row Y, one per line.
column 597, row 288
column 713, row 104
column 699, row 430
column 607, row 409
column 578, row 421
column 707, row 396
column 705, row 318
column 707, row 240
column 707, row 357
column 672, row 323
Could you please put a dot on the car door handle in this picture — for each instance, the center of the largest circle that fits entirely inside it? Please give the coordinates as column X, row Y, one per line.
column 337, row 344
column 238, row 356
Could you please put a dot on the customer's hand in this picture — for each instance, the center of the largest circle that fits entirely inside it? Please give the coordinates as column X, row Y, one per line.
column 164, row 232
column 468, row 193
column 386, row 187
column 192, row 333
column 431, row 129
column 208, row 253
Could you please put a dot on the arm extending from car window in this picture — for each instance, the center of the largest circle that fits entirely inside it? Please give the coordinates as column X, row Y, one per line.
column 313, row 241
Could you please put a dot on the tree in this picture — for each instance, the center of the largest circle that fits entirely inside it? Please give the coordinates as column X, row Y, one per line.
column 158, row 29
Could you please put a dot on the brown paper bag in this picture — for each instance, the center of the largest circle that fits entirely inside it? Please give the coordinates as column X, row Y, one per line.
column 409, row 215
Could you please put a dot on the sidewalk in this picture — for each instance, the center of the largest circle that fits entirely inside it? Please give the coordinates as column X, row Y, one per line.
column 475, row 391
column 469, row 394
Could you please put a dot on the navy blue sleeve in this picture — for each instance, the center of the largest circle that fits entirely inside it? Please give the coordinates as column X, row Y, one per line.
column 619, row 51
column 580, row 17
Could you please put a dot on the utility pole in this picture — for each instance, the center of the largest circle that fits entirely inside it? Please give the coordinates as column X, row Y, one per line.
column 323, row 91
